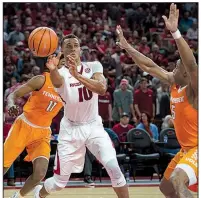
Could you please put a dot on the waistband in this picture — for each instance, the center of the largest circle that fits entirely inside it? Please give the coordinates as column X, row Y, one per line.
column 22, row 116
column 77, row 123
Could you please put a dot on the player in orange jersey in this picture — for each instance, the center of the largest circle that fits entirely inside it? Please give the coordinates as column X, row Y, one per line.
column 31, row 129
column 182, row 172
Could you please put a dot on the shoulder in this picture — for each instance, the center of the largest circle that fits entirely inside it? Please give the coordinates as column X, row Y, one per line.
column 150, row 91
column 153, row 126
column 115, row 126
column 38, row 78
column 117, row 91
column 95, row 66
column 92, row 64
column 137, row 91
column 130, row 126
column 129, row 91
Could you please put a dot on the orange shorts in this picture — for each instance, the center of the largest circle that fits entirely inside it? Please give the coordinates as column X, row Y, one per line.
column 23, row 135
column 188, row 162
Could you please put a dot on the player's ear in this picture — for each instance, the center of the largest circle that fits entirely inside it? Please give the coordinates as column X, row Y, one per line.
column 185, row 74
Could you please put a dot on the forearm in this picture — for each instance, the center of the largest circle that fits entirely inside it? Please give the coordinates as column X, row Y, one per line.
column 154, row 109
column 132, row 110
column 141, row 60
column 120, row 111
column 95, row 86
column 110, row 111
column 186, row 54
column 56, row 78
column 11, row 99
column 137, row 110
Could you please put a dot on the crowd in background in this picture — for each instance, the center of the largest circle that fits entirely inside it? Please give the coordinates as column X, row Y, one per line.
column 133, row 96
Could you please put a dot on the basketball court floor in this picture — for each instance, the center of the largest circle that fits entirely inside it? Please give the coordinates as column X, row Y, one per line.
column 141, row 188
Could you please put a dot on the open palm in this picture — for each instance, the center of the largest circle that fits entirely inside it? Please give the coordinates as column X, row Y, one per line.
column 172, row 22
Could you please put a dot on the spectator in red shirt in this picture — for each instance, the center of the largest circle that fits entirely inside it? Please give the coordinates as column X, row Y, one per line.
column 105, row 108
column 144, row 100
column 144, row 48
column 122, row 127
column 155, row 54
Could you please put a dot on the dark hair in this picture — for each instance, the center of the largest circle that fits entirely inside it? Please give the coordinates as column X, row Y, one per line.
column 143, row 79
column 148, row 116
column 69, row 36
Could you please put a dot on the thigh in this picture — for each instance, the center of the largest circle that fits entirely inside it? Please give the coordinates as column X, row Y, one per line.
column 172, row 165
column 100, row 145
column 39, row 145
column 15, row 142
column 71, row 150
column 189, row 164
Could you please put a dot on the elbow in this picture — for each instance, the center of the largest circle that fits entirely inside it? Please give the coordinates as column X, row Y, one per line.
column 102, row 90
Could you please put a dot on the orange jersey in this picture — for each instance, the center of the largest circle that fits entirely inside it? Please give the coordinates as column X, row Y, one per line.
column 185, row 118
column 43, row 105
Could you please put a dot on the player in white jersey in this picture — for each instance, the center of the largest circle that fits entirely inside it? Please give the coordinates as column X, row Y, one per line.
column 79, row 85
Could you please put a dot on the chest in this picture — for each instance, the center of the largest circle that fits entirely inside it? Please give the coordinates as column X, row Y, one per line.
column 148, row 97
column 75, row 91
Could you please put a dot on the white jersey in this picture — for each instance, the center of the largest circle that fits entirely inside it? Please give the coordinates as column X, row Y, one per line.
column 80, row 104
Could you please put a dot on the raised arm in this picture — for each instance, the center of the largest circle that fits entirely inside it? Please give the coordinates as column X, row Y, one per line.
column 145, row 63
column 52, row 64
column 34, row 84
column 185, row 52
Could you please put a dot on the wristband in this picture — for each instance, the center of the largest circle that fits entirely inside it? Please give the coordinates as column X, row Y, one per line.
column 176, row 35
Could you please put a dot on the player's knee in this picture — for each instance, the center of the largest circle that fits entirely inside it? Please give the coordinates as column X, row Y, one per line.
column 116, row 176
column 56, row 183
column 39, row 174
column 165, row 188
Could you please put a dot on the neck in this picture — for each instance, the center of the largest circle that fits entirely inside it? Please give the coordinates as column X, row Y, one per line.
column 123, row 125
column 144, row 90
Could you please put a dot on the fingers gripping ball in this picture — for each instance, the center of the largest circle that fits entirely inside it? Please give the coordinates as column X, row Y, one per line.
column 43, row 41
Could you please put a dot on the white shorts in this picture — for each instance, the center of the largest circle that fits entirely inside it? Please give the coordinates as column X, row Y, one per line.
column 72, row 143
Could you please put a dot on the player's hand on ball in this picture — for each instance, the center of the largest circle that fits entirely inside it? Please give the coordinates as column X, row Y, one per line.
column 172, row 22
column 122, row 43
column 53, row 61
column 13, row 110
column 72, row 66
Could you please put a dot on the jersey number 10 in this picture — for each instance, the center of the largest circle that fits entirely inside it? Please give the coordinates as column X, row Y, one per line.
column 84, row 94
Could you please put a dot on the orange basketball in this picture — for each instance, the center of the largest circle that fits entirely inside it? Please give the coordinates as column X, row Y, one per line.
column 43, row 41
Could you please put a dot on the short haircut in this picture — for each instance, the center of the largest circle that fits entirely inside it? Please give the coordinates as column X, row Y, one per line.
column 69, row 36
column 143, row 79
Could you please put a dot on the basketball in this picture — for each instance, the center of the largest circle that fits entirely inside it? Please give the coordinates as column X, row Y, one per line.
column 43, row 41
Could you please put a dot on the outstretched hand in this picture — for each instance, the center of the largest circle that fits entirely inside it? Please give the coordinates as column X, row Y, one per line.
column 53, row 61
column 172, row 22
column 122, row 43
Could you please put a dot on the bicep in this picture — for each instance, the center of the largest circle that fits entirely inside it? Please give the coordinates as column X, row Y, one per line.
column 100, row 78
column 159, row 72
column 34, row 84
